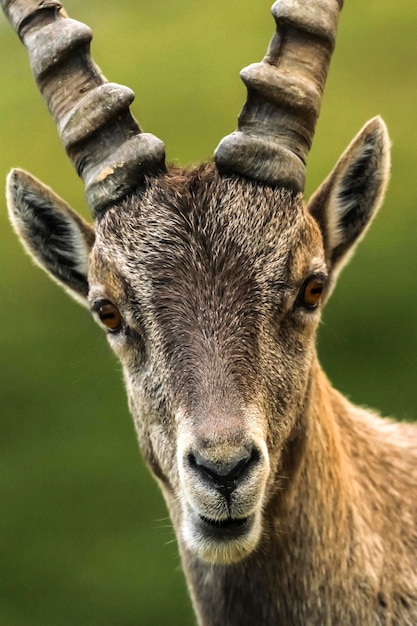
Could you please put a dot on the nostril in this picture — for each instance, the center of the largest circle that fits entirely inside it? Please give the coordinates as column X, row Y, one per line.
column 224, row 475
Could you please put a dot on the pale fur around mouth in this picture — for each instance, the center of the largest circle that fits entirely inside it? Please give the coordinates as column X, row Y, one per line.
column 221, row 541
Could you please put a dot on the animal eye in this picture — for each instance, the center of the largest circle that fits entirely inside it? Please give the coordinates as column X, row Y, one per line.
column 311, row 292
column 110, row 316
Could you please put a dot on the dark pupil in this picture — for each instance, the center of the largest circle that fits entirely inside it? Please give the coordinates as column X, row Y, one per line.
column 107, row 313
column 316, row 290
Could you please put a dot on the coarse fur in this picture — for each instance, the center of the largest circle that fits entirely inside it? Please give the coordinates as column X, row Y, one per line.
column 218, row 350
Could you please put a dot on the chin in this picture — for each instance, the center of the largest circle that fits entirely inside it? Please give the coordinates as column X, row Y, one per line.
column 221, row 542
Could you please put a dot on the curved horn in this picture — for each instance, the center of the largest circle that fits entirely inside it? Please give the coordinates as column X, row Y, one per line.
column 277, row 123
column 103, row 140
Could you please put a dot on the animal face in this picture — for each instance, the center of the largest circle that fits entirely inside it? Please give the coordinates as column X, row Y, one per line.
column 216, row 339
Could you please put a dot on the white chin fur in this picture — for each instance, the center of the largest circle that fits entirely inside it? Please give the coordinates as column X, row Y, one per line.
column 221, row 550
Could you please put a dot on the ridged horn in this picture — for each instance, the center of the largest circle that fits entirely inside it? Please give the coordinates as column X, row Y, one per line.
column 100, row 135
column 276, row 125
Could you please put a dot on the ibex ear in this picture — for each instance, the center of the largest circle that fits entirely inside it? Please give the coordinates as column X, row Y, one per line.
column 51, row 232
column 346, row 202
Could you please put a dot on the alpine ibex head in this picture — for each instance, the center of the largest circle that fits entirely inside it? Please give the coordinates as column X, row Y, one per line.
column 208, row 281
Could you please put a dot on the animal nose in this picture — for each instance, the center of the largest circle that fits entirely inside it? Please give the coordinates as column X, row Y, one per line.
column 224, row 477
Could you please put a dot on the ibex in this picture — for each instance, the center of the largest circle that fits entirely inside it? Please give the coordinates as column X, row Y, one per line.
column 291, row 506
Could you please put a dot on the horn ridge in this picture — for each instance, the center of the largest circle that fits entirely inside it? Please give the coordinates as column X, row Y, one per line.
column 284, row 91
column 100, row 135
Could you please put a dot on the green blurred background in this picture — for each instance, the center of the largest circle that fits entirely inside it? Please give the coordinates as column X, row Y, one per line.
column 84, row 534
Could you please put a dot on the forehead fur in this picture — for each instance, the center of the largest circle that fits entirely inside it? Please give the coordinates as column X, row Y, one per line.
column 203, row 217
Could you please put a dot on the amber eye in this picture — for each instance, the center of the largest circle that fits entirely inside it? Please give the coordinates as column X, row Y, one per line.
column 311, row 292
column 110, row 316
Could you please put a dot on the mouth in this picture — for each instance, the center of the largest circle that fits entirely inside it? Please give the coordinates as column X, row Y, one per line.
column 221, row 541
column 229, row 528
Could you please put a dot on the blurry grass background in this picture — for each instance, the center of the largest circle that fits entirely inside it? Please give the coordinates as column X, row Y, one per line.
column 84, row 534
